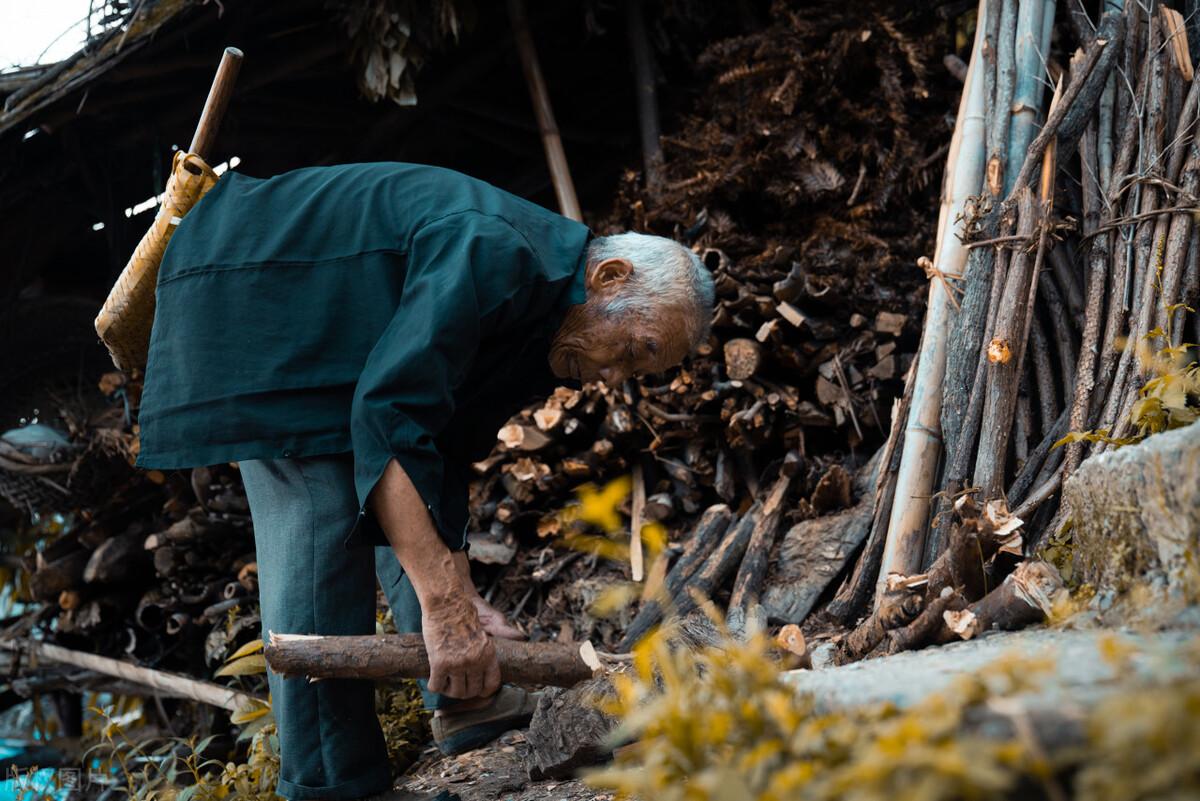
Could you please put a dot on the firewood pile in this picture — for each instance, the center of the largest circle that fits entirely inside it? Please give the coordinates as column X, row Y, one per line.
column 1060, row 283
column 826, row 460
column 152, row 569
column 803, row 177
column 1059, row 322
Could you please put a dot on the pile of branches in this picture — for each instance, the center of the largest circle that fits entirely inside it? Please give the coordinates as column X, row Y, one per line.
column 154, row 568
column 803, row 176
column 1057, row 329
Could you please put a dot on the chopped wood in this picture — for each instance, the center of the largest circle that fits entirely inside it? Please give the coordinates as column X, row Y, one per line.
column 890, row 323
column 742, row 358
column 385, row 656
column 522, row 438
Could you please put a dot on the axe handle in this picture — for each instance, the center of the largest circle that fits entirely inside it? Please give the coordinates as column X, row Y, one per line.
column 217, row 102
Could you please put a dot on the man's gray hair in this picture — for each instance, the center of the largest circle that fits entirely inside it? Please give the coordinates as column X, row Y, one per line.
column 665, row 274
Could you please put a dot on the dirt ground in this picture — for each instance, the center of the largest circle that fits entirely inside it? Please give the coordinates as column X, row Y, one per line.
column 496, row 771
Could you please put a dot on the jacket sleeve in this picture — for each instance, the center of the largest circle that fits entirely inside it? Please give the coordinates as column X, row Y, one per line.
column 461, row 268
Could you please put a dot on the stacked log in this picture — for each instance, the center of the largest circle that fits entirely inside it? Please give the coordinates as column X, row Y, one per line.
column 152, row 572
column 804, row 205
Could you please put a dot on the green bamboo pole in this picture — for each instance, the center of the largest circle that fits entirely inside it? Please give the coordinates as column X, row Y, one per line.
column 1031, row 80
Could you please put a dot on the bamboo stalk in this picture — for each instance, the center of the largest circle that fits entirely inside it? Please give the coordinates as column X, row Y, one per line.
column 851, row 599
column 1001, row 102
column 1076, row 103
column 556, row 157
column 636, row 557
column 1027, row 94
column 647, row 106
column 169, row 684
column 904, row 547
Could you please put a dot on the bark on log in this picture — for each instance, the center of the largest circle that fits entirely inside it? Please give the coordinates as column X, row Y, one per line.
column 708, row 532
column 753, row 569
column 1024, row 598
column 568, row 730
column 813, row 553
column 115, row 560
column 404, row 656
column 63, row 573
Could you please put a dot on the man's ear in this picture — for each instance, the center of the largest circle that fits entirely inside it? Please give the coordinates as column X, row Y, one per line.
column 609, row 274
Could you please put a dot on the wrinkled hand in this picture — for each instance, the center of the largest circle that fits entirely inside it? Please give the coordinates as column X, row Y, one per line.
column 462, row 660
column 494, row 622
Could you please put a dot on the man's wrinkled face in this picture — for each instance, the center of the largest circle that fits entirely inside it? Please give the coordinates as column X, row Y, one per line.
column 593, row 346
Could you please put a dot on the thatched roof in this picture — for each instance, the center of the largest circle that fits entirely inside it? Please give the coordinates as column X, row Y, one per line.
column 33, row 89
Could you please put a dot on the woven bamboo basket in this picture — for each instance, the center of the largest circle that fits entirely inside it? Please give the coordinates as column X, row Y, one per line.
column 125, row 320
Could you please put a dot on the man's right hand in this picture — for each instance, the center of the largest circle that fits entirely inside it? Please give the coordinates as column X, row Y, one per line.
column 462, row 659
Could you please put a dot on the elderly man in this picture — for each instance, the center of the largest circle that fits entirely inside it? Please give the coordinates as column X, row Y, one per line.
column 354, row 337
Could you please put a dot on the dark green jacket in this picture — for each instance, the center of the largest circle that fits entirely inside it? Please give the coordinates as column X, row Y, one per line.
column 392, row 310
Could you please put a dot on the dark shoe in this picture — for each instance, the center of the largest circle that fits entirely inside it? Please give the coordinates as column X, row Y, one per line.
column 459, row 732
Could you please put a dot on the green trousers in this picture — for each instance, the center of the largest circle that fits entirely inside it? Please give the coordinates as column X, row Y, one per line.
column 331, row 745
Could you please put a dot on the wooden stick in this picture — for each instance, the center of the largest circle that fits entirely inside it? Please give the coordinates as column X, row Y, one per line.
column 169, row 684
column 1004, row 358
column 637, row 564
column 851, row 599
column 647, row 97
column 707, row 533
column 556, row 157
column 1177, row 243
column 753, row 569
column 383, row 656
column 1043, row 375
column 904, row 548
column 216, row 104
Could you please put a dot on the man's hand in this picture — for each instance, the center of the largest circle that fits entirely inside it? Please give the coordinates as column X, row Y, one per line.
column 493, row 620
column 462, row 660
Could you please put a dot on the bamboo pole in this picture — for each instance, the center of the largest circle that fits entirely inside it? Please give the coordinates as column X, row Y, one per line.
column 1001, row 101
column 905, row 544
column 647, row 98
column 556, row 157
column 1104, row 131
column 1031, row 75
column 169, row 684
column 637, row 562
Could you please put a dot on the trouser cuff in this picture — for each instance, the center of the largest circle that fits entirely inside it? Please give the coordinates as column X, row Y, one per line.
column 371, row 783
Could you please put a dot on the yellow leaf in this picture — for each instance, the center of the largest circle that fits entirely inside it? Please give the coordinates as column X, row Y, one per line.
column 249, row 648
column 599, row 507
column 251, row 712
column 246, row 666
column 613, row 599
